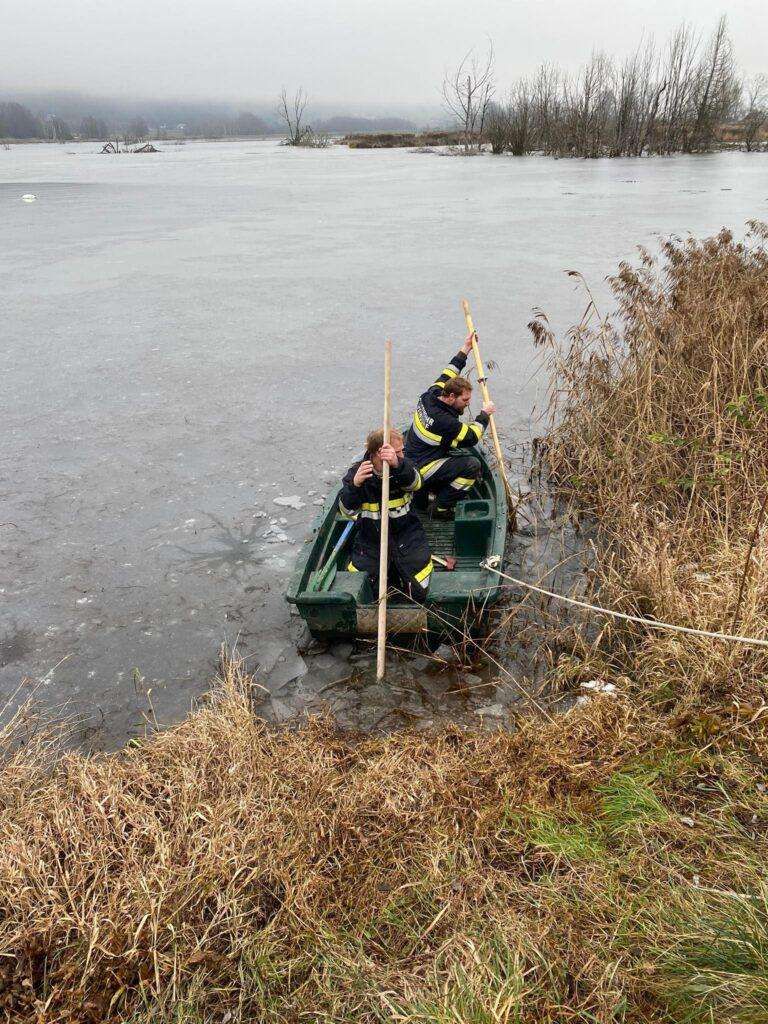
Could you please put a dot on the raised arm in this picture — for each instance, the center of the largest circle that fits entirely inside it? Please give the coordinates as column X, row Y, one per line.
column 351, row 496
column 456, row 365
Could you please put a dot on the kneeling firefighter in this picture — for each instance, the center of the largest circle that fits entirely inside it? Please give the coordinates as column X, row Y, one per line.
column 410, row 562
column 440, row 444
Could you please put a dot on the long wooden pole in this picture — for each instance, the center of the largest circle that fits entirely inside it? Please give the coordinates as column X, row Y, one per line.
column 486, row 398
column 384, row 549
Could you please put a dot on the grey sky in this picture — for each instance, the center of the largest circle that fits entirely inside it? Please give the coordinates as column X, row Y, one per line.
column 353, row 53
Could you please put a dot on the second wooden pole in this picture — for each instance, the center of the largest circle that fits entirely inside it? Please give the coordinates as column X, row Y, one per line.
column 384, row 549
column 486, row 398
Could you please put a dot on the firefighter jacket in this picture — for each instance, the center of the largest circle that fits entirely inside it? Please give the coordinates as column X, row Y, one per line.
column 437, row 430
column 408, row 544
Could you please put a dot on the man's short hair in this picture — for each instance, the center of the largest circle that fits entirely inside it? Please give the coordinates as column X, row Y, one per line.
column 457, row 386
column 375, row 439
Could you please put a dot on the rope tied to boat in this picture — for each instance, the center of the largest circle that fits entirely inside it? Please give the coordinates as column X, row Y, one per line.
column 653, row 623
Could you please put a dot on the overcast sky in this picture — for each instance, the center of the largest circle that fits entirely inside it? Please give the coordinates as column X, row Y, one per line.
column 349, row 52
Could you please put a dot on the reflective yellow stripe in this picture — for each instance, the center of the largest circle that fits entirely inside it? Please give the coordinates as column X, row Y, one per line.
column 421, row 430
column 431, row 467
column 477, row 429
column 397, row 507
column 352, row 568
column 375, row 506
column 346, row 513
column 426, row 571
column 462, row 483
column 448, row 372
column 462, row 433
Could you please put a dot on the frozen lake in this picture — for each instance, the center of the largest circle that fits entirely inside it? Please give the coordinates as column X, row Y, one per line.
column 188, row 335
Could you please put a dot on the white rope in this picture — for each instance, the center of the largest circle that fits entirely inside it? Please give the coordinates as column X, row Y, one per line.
column 628, row 618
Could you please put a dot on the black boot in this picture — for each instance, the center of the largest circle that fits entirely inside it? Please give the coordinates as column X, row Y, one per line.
column 437, row 511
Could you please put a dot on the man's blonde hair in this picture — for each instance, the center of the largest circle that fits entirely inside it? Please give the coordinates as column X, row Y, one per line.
column 457, row 386
column 375, row 439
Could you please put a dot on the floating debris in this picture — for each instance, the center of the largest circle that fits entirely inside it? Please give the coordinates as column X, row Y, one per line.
column 290, row 501
column 29, row 197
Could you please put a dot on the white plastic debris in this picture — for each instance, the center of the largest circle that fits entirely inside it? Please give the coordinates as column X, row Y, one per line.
column 599, row 686
column 290, row 501
column 28, row 197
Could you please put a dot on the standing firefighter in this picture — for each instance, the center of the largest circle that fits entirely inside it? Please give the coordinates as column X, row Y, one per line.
column 410, row 563
column 437, row 439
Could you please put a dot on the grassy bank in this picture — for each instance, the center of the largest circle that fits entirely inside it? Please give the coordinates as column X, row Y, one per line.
column 605, row 866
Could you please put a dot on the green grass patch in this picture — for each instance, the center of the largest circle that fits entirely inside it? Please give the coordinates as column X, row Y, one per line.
column 629, row 802
column 571, row 840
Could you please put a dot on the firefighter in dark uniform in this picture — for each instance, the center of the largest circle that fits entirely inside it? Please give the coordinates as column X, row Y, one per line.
column 437, row 440
column 410, row 562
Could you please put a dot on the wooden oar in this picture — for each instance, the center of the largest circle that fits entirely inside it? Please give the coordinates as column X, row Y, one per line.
column 486, row 398
column 328, row 571
column 384, row 549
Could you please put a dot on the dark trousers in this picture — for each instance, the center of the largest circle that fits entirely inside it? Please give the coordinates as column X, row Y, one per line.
column 450, row 478
column 410, row 562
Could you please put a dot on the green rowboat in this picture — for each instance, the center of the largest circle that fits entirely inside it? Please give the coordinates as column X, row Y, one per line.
column 340, row 605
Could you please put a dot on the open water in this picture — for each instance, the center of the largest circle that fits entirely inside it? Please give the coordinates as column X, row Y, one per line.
column 189, row 335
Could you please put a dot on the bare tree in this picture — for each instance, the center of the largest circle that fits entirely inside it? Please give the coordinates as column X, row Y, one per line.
column 547, row 107
column 520, row 118
column 467, row 93
column 652, row 90
column 636, row 101
column 716, row 90
column 755, row 111
column 680, row 73
column 497, row 126
column 291, row 112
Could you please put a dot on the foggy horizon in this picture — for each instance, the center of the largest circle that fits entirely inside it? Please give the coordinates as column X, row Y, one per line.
column 352, row 55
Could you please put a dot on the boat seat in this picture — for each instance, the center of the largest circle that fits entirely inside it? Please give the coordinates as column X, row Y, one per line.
column 473, row 525
column 357, row 584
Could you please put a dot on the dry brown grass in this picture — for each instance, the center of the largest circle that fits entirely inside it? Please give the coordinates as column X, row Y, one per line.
column 606, row 866
column 663, row 435
column 222, row 866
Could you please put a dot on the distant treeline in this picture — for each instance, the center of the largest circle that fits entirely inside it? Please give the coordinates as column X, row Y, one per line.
column 688, row 96
column 19, row 122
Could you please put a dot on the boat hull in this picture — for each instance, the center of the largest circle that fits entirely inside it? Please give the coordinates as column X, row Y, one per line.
column 457, row 602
